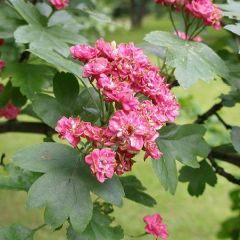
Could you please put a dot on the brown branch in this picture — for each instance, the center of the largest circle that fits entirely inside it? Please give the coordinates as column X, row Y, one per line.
column 202, row 118
column 228, row 157
column 227, row 126
column 26, row 127
column 220, row 171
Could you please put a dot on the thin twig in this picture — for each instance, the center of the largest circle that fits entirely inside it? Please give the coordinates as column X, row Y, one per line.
column 227, row 126
column 220, row 171
column 1, row 160
column 202, row 118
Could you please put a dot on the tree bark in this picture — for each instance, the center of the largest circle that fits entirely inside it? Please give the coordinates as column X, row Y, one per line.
column 137, row 12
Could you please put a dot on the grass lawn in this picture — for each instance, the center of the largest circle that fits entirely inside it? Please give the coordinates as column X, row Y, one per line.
column 187, row 218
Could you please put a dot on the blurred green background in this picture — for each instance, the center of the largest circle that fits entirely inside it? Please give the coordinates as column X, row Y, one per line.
column 186, row 217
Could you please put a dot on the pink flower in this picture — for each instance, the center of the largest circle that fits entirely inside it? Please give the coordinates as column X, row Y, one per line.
column 129, row 130
column 2, row 64
column 207, row 11
column 102, row 163
column 119, row 92
column 105, row 49
column 155, row 227
column 96, row 67
column 59, row 4
column 83, row 52
column 9, row 111
column 70, row 129
column 124, row 162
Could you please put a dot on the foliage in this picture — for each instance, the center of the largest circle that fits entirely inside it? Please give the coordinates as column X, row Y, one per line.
column 61, row 95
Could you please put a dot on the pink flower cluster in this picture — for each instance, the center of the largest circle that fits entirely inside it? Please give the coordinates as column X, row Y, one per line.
column 183, row 36
column 9, row 111
column 202, row 9
column 121, row 74
column 155, row 227
column 59, row 4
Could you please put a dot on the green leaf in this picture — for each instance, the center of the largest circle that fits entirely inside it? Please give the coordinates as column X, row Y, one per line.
column 231, row 9
column 29, row 13
column 231, row 99
column 48, row 109
column 14, row 178
column 235, row 134
column 58, row 61
column 65, row 195
column 45, row 157
column 198, row 178
column 44, row 9
column 66, row 88
column 51, row 38
column 98, row 229
column 186, row 57
column 85, row 105
column 166, row 170
column 13, row 94
column 230, row 229
column 9, row 20
column 30, row 78
column 135, row 191
column 16, row 232
column 235, row 198
column 64, row 189
column 183, row 143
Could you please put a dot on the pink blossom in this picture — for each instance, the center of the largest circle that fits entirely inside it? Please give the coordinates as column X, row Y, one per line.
column 59, row 4
column 9, row 111
column 105, row 49
column 83, row 52
column 2, row 64
column 119, row 92
column 96, row 67
column 129, row 130
column 124, row 162
column 102, row 163
column 70, row 129
column 207, row 11
column 155, row 227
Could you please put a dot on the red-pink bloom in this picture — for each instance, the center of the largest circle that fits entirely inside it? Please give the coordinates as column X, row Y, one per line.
column 129, row 130
column 105, row 50
column 2, row 64
column 59, row 4
column 83, row 52
column 119, row 92
column 155, row 227
column 124, row 162
column 70, row 129
column 9, row 111
column 102, row 163
column 183, row 36
column 207, row 11
column 2, row 41
column 96, row 67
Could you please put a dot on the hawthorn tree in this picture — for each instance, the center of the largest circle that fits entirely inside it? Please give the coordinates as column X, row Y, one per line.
column 110, row 104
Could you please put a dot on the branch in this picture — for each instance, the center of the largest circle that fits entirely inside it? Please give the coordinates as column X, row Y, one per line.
column 220, row 171
column 202, row 118
column 226, row 157
column 26, row 127
column 227, row 126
